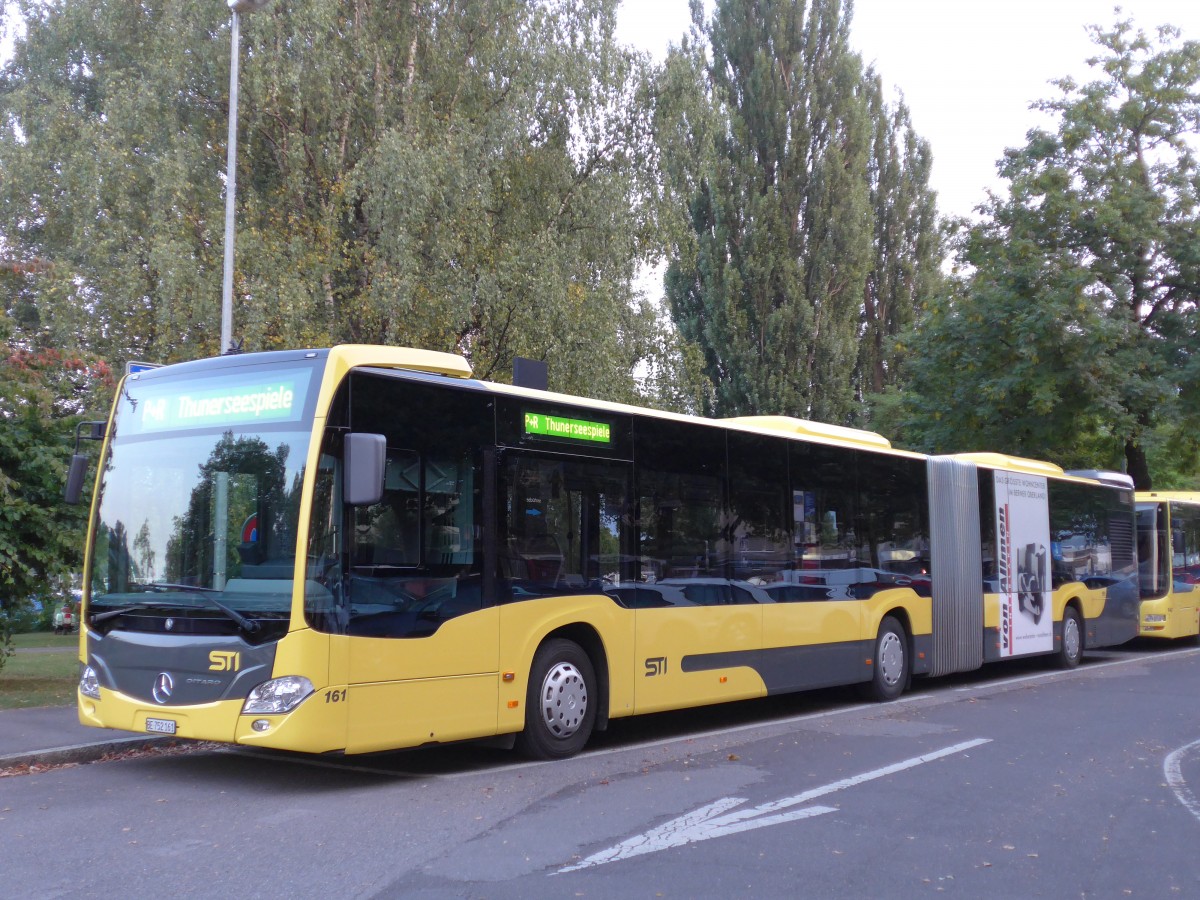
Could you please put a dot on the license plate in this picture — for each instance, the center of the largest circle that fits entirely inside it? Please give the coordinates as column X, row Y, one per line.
column 161, row 726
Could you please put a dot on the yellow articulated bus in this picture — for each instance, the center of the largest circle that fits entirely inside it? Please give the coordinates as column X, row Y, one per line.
column 364, row 548
column 1169, row 563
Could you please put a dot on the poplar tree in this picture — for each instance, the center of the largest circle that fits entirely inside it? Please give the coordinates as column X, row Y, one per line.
column 907, row 242
column 811, row 230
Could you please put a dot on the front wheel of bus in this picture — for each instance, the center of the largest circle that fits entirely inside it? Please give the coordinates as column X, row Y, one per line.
column 560, row 703
column 1071, row 651
column 890, row 667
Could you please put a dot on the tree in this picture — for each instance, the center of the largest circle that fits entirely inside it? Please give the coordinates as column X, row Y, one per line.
column 462, row 175
column 795, row 246
column 907, row 244
column 42, row 395
column 1074, row 323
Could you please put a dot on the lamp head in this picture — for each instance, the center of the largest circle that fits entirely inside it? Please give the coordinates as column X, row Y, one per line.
column 247, row 6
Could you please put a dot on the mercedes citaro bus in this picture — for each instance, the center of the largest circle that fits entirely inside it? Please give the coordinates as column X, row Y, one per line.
column 365, row 548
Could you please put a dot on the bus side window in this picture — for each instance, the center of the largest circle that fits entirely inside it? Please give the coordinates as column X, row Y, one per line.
column 388, row 533
column 562, row 525
column 1185, row 527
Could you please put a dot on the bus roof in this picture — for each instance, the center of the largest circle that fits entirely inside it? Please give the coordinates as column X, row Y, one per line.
column 411, row 358
column 1177, row 496
column 346, row 356
column 1014, row 463
column 805, row 427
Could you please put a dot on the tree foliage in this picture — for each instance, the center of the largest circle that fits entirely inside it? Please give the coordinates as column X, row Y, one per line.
column 1074, row 324
column 811, row 229
column 42, row 396
column 463, row 175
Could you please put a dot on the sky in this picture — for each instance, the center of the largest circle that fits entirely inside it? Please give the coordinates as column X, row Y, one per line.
column 967, row 70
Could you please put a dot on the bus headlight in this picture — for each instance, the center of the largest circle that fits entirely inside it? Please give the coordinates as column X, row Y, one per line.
column 279, row 695
column 89, row 684
column 1151, row 617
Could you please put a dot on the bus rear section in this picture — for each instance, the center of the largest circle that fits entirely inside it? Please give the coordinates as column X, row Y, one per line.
column 1027, row 560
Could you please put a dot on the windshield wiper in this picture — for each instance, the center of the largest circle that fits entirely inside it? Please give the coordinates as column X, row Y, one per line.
column 248, row 625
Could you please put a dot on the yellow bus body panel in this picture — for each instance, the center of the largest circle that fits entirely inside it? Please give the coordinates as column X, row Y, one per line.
column 202, row 722
column 816, row 622
column 665, row 636
column 523, row 627
column 393, row 714
column 1090, row 600
column 318, row 725
column 1180, row 610
column 404, row 692
column 883, row 603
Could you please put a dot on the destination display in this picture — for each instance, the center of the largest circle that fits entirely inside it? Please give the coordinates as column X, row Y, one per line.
column 270, row 398
column 542, row 425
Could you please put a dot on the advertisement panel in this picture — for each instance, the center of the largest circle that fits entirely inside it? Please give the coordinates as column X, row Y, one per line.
column 1023, row 564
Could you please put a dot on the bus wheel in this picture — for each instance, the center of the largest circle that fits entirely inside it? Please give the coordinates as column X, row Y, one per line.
column 1071, row 650
column 560, row 703
column 890, row 675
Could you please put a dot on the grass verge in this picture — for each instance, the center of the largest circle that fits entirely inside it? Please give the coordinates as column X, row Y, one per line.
column 43, row 678
column 46, row 639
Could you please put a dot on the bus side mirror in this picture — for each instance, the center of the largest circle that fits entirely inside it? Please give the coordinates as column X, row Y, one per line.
column 362, row 481
column 95, row 431
column 75, row 475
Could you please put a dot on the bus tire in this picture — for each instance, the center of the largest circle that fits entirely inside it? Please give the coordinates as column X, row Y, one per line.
column 890, row 668
column 560, row 702
column 1070, row 650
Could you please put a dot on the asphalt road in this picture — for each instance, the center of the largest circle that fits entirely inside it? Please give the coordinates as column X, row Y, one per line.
column 1019, row 781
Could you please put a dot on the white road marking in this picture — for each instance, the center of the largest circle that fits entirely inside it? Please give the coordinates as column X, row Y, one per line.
column 1172, row 768
column 716, row 819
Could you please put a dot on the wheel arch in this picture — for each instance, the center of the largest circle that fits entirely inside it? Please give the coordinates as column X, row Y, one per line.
column 900, row 614
column 588, row 639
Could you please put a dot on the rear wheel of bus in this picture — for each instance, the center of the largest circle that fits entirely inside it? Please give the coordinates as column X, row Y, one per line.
column 560, row 702
column 889, row 675
column 1070, row 651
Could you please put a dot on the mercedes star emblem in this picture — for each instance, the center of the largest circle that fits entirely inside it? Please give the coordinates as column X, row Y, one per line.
column 164, row 685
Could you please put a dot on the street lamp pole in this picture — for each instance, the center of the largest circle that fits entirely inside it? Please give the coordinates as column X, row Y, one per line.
column 237, row 7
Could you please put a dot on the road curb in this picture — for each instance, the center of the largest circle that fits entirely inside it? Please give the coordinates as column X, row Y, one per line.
column 78, row 753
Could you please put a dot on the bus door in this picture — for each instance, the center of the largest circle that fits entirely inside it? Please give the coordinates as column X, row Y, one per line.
column 1185, row 563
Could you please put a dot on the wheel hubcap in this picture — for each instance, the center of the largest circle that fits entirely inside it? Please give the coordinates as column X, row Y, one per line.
column 1071, row 637
column 891, row 658
column 564, row 699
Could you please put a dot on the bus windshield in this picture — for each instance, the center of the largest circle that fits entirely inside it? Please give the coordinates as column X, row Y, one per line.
column 202, row 517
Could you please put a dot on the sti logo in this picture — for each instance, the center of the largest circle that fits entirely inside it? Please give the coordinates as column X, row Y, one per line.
column 224, row 661
column 656, row 665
